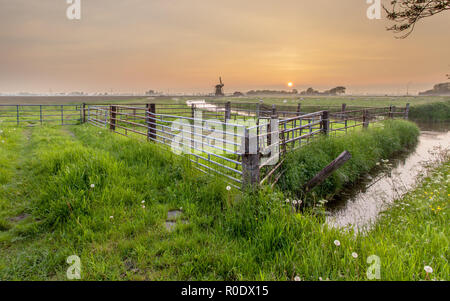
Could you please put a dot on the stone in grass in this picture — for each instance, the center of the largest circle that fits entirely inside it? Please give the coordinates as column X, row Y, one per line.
column 172, row 215
column 19, row 217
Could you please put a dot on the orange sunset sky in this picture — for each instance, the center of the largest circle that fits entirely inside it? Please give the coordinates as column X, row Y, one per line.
column 184, row 45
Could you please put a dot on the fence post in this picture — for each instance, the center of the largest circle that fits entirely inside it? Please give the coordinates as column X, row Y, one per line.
column 407, row 111
column 62, row 115
column 299, row 109
column 112, row 117
column 40, row 113
column 344, row 116
column 151, row 121
column 366, row 119
column 250, row 163
column 192, row 110
column 227, row 111
column 274, row 110
column 391, row 115
column 83, row 113
column 18, row 122
column 325, row 124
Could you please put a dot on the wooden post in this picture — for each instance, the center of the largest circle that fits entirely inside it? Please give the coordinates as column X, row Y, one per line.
column 112, row 117
column 18, row 115
column 250, row 164
column 151, row 121
column 344, row 116
column 83, row 113
column 227, row 111
column 407, row 111
column 327, row 171
column 62, row 115
column 391, row 115
column 299, row 109
column 40, row 113
column 274, row 110
column 366, row 119
column 325, row 124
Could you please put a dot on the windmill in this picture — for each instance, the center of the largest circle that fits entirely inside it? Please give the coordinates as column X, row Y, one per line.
column 219, row 88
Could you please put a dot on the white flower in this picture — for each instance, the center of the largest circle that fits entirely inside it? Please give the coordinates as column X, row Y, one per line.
column 228, row 187
column 355, row 255
column 428, row 269
column 92, row 185
column 287, row 200
column 143, row 202
column 143, row 206
column 337, row 243
column 320, row 278
column 297, row 278
column 111, row 217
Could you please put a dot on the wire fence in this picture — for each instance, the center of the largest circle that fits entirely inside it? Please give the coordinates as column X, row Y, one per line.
column 41, row 114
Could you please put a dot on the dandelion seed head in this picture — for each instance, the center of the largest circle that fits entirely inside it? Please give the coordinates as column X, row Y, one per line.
column 337, row 243
column 355, row 255
column 428, row 269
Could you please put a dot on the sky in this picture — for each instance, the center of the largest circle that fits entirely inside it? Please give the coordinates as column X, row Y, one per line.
column 183, row 46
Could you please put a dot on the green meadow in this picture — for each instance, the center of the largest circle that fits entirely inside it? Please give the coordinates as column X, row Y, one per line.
column 81, row 190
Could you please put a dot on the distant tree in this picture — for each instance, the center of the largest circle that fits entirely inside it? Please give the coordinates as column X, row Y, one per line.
column 408, row 12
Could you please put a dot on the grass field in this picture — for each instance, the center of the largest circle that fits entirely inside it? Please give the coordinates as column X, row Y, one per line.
column 80, row 190
column 369, row 101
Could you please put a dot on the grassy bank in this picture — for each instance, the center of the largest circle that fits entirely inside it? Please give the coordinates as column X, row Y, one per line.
column 366, row 147
column 221, row 235
column 435, row 112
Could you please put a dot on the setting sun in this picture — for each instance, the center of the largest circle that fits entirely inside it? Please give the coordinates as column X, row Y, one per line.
column 290, row 84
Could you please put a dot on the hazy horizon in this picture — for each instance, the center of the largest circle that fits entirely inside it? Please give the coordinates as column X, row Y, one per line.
column 184, row 46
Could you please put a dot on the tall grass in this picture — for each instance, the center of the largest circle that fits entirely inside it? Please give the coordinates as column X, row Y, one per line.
column 228, row 235
column 436, row 112
column 366, row 147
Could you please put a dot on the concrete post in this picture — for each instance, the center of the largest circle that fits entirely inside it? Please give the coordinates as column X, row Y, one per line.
column 250, row 163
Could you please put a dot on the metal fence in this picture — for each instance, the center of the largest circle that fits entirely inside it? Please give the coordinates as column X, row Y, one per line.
column 245, row 143
column 41, row 114
column 211, row 144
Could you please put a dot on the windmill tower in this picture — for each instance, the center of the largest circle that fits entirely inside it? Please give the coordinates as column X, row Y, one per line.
column 219, row 88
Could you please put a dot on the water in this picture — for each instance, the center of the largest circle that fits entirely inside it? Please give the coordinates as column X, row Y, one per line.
column 360, row 206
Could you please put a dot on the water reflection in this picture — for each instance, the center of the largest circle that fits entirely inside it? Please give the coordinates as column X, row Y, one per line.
column 360, row 206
